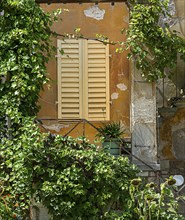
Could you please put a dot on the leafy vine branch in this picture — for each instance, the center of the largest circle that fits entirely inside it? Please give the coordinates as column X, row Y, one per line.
column 151, row 42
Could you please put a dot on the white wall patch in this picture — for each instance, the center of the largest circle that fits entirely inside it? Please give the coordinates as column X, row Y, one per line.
column 95, row 12
column 55, row 127
column 114, row 95
column 122, row 86
column 126, row 19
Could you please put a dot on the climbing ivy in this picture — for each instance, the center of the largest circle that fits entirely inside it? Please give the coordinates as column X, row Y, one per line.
column 25, row 48
column 152, row 44
column 24, row 51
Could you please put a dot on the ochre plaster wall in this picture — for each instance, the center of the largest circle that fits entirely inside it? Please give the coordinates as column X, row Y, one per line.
column 116, row 17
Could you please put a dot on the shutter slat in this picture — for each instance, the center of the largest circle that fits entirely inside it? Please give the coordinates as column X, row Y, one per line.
column 96, row 80
column 97, row 90
column 68, row 116
column 72, row 75
column 70, row 100
column 72, row 105
column 69, row 95
column 97, row 85
column 69, row 61
column 96, row 75
column 100, row 106
column 70, row 90
column 69, row 80
column 96, row 51
column 70, row 70
column 69, row 85
column 67, row 110
column 97, row 61
column 96, row 70
column 96, row 56
column 96, row 95
column 97, row 100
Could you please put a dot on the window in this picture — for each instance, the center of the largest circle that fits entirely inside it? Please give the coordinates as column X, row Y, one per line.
column 83, row 80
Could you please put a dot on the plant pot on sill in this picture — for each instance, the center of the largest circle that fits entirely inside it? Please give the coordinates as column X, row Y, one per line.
column 113, row 146
column 111, row 134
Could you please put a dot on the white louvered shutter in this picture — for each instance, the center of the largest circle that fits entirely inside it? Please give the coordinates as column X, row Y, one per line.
column 96, row 80
column 70, row 79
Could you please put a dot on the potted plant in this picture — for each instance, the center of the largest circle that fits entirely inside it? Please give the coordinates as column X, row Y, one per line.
column 111, row 134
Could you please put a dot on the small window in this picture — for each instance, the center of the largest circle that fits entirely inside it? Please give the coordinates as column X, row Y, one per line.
column 83, row 80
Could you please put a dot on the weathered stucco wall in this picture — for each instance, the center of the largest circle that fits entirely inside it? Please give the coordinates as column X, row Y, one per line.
column 111, row 19
column 143, row 121
column 171, row 120
column 171, row 104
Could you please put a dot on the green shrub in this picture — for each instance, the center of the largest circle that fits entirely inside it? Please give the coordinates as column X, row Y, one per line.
column 75, row 180
column 72, row 178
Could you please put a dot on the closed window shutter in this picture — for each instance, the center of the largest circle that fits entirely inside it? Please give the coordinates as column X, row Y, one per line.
column 83, row 80
column 96, row 82
column 70, row 79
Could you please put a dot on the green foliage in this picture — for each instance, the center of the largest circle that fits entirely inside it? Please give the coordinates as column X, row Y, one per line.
column 72, row 178
column 150, row 202
column 75, row 180
column 154, row 47
column 24, row 50
column 7, row 205
column 111, row 130
column 16, row 165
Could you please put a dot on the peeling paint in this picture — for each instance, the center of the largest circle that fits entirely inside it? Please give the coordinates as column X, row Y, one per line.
column 114, row 95
column 126, row 19
column 55, row 127
column 95, row 12
column 122, row 86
